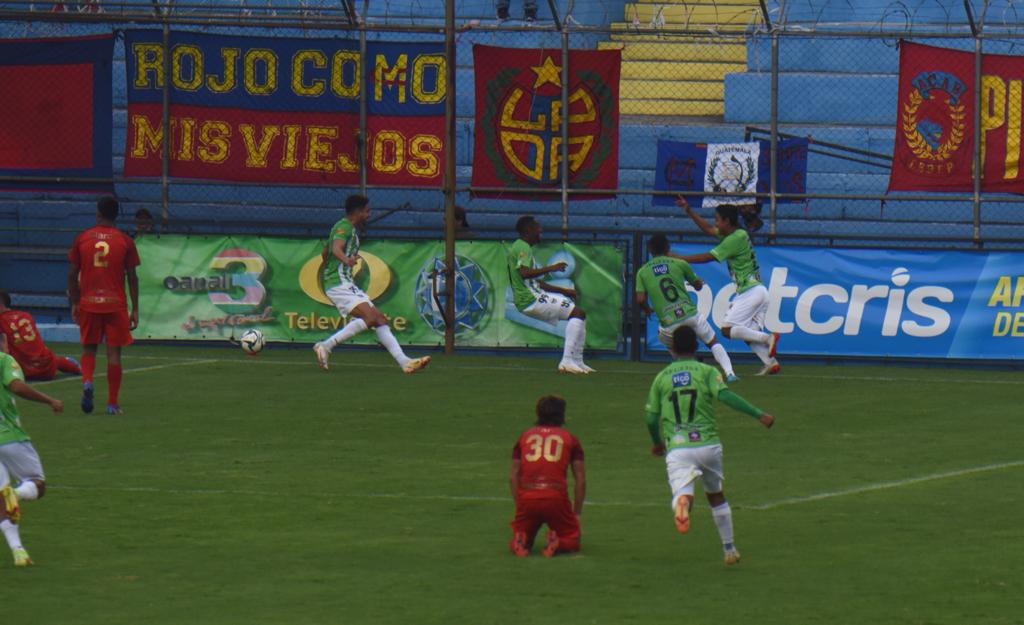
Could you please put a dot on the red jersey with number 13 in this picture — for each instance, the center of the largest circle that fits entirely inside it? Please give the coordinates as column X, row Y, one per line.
column 545, row 452
column 103, row 255
column 24, row 342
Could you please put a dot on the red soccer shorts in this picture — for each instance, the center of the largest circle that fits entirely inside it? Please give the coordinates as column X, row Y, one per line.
column 556, row 512
column 93, row 327
column 42, row 370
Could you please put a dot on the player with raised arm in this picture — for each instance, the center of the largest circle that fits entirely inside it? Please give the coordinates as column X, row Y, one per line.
column 681, row 420
column 540, row 459
column 19, row 460
column 746, row 317
column 663, row 279
column 543, row 301
column 340, row 257
column 102, row 258
column 22, row 340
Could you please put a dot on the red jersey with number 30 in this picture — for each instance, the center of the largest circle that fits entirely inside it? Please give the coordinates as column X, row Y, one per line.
column 24, row 342
column 545, row 452
column 103, row 255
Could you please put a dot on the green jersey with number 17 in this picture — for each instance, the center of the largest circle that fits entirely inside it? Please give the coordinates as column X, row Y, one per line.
column 663, row 279
column 10, row 421
column 335, row 272
column 682, row 396
column 524, row 291
column 737, row 251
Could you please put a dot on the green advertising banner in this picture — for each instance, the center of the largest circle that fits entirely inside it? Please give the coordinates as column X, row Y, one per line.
column 203, row 288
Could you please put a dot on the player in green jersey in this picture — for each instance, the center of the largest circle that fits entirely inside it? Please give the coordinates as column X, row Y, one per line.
column 543, row 301
column 681, row 420
column 663, row 279
column 340, row 264
column 746, row 317
column 18, row 458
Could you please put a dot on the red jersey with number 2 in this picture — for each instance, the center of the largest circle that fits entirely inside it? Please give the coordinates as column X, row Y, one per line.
column 545, row 453
column 103, row 255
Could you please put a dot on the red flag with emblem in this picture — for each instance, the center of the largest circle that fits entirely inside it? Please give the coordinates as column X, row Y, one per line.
column 518, row 135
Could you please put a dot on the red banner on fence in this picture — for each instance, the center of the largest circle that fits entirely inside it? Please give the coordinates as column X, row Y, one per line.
column 518, row 136
column 935, row 121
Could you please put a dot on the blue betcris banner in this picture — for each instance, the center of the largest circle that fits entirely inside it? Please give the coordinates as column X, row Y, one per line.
column 878, row 302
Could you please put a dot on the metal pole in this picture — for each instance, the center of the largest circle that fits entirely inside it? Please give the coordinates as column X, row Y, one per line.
column 564, row 169
column 774, row 160
column 977, row 141
column 165, row 123
column 636, row 319
column 449, row 178
column 362, row 136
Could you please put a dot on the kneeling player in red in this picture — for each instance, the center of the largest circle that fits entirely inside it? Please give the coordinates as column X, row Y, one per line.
column 26, row 345
column 540, row 459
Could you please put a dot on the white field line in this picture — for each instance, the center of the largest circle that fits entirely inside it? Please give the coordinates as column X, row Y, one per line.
column 339, row 363
column 100, row 374
column 792, row 501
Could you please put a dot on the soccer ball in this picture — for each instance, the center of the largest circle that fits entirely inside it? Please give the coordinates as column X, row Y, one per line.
column 252, row 342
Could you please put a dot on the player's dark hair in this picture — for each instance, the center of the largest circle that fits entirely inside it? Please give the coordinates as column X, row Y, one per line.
column 5, row 297
column 684, row 340
column 524, row 223
column 551, row 410
column 355, row 202
column 730, row 213
column 108, row 207
column 658, row 244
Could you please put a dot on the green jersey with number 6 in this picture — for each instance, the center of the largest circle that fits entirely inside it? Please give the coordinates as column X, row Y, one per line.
column 737, row 251
column 682, row 396
column 524, row 291
column 336, row 272
column 10, row 421
column 663, row 279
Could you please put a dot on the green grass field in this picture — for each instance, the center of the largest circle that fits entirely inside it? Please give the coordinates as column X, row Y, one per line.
column 245, row 491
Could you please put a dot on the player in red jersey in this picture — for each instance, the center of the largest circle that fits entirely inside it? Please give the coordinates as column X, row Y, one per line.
column 540, row 459
column 26, row 345
column 101, row 258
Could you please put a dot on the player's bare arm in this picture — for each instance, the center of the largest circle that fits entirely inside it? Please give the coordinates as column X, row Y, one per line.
column 73, row 291
column 697, row 284
column 551, row 288
column 133, row 292
column 641, row 301
column 513, row 477
column 579, row 478
column 25, row 391
column 338, row 249
column 527, row 273
column 702, row 223
column 694, row 259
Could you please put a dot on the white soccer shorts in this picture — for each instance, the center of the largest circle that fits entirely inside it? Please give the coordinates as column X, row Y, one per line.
column 346, row 296
column 748, row 308
column 699, row 324
column 550, row 307
column 686, row 464
column 22, row 462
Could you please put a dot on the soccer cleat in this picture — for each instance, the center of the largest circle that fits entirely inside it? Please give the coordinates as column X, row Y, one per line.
column 731, row 378
column 416, row 364
column 323, row 355
column 585, row 367
column 21, row 557
column 114, row 409
column 731, row 556
column 87, row 398
column 570, row 367
column 10, row 503
column 773, row 344
column 518, row 545
column 551, row 548
column 771, row 368
column 682, row 515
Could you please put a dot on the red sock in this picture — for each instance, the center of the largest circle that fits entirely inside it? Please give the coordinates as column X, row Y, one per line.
column 67, row 365
column 113, row 382
column 88, row 366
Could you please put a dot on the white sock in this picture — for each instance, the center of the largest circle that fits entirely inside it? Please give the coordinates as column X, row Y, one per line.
column 351, row 329
column 390, row 343
column 750, row 335
column 10, row 531
column 27, row 491
column 722, row 358
column 575, row 335
column 723, row 520
column 761, row 351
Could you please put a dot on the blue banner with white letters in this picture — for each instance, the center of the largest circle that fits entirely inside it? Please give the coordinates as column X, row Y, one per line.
column 936, row 304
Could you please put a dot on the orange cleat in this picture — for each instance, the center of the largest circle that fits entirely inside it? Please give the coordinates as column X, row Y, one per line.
column 551, row 548
column 683, row 515
column 518, row 545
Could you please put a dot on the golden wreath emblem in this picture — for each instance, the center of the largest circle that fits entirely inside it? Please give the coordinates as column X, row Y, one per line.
column 916, row 142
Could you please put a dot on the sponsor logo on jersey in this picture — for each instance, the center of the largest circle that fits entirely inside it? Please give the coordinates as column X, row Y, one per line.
column 660, row 269
column 681, row 379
